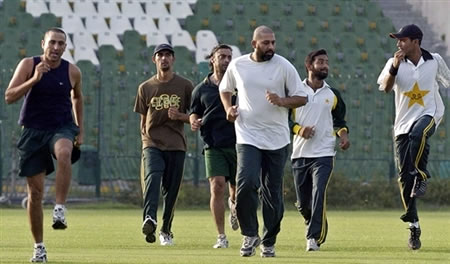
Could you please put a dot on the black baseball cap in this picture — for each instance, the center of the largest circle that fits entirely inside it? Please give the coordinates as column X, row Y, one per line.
column 410, row 31
column 161, row 47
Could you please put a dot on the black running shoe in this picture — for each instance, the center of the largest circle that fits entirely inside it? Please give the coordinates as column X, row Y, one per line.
column 148, row 229
column 419, row 188
column 414, row 238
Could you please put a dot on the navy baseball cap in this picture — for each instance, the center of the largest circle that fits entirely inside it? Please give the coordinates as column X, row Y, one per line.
column 161, row 47
column 410, row 31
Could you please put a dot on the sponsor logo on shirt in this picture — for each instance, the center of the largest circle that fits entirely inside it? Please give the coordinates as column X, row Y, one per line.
column 165, row 101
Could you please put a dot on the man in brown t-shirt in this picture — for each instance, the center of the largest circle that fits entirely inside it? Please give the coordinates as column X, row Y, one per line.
column 163, row 102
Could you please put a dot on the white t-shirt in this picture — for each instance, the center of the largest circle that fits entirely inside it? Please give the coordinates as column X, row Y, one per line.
column 317, row 113
column 260, row 123
column 417, row 90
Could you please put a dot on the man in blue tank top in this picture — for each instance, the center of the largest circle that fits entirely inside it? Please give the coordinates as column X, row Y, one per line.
column 52, row 121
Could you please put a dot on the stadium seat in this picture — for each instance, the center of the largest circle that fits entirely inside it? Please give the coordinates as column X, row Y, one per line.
column 69, row 43
column 206, row 38
column 108, row 8
column 85, row 53
column 72, row 23
column 119, row 24
column 168, row 25
column 60, row 8
column 96, row 24
column 68, row 56
column 183, row 38
column 144, row 24
column 131, row 9
column 84, row 38
column 201, row 53
column 107, row 53
column 36, row 7
column 46, row 21
column 84, row 8
column 156, row 9
column 180, row 9
column 236, row 52
column 12, row 7
column 155, row 38
column 109, row 38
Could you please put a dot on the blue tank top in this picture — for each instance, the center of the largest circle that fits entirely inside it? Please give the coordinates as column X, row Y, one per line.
column 47, row 105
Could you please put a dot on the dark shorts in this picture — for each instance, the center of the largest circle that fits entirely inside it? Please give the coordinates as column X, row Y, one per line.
column 221, row 162
column 36, row 148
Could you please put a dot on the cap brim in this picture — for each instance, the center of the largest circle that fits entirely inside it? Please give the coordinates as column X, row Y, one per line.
column 395, row 36
column 171, row 51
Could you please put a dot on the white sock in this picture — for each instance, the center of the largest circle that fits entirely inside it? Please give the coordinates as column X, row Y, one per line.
column 415, row 224
column 58, row 206
column 222, row 236
column 41, row 244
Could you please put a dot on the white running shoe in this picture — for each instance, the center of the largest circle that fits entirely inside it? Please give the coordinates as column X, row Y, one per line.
column 148, row 229
column 234, row 223
column 311, row 245
column 267, row 252
column 39, row 254
column 59, row 219
column 248, row 245
column 222, row 242
column 166, row 239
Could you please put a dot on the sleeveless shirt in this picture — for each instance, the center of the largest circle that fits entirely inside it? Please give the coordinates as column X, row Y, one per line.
column 47, row 105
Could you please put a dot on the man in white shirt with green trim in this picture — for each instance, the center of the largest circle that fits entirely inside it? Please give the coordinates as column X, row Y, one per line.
column 267, row 86
column 315, row 127
column 413, row 73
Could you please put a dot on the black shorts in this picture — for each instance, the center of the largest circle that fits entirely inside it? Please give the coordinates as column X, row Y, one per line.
column 36, row 148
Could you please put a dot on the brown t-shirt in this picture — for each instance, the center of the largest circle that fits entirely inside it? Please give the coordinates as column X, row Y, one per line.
column 154, row 98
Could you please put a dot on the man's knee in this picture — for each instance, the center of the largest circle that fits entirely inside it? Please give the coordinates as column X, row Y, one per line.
column 218, row 185
column 63, row 154
column 35, row 194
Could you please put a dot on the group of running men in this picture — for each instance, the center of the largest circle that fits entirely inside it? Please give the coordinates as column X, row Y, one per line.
column 246, row 109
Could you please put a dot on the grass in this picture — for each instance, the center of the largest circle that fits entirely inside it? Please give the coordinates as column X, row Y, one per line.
column 114, row 236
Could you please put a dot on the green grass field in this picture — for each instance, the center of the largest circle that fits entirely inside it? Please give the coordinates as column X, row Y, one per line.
column 114, row 236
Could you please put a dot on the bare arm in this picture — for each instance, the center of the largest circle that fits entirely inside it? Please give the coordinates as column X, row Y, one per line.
column 389, row 80
column 231, row 110
column 174, row 114
column 23, row 79
column 288, row 102
column 196, row 122
column 77, row 101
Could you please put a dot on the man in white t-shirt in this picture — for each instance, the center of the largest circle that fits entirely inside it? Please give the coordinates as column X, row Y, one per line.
column 413, row 73
column 267, row 86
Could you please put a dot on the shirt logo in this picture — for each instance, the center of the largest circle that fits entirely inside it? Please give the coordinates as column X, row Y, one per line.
column 416, row 95
column 61, row 84
column 165, row 101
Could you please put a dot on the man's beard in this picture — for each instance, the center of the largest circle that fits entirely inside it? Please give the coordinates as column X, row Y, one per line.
column 268, row 55
column 320, row 75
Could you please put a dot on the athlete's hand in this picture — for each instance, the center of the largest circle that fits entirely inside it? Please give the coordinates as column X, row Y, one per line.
column 173, row 113
column 307, row 132
column 79, row 140
column 39, row 70
column 232, row 113
column 195, row 124
column 399, row 55
column 274, row 99
column 344, row 142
